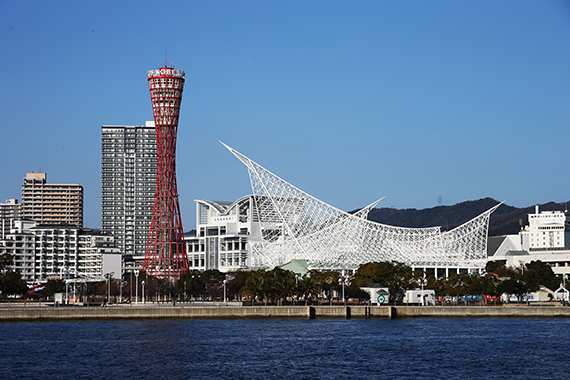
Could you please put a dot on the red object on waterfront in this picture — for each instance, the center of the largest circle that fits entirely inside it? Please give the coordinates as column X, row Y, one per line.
column 165, row 254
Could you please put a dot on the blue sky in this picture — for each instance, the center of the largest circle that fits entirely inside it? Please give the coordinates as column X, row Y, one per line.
column 348, row 100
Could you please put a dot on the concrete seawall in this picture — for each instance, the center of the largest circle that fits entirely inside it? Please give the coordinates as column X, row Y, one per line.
column 480, row 312
column 31, row 314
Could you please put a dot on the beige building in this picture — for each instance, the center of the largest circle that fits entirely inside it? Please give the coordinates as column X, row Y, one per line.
column 51, row 203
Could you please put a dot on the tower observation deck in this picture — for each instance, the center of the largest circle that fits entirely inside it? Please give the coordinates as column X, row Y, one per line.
column 165, row 254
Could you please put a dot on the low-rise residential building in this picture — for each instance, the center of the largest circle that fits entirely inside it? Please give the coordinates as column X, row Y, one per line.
column 9, row 211
column 43, row 251
column 19, row 242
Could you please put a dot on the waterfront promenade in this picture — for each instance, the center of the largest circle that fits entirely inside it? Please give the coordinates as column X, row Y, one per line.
column 34, row 312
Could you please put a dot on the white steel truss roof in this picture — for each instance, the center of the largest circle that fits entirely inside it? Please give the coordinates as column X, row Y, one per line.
column 296, row 225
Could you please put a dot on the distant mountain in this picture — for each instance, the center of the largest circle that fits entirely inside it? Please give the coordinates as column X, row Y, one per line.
column 505, row 220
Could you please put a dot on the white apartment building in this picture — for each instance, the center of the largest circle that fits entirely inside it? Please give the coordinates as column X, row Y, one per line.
column 221, row 235
column 128, row 182
column 52, row 203
column 45, row 251
column 20, row 243
column 9, row 211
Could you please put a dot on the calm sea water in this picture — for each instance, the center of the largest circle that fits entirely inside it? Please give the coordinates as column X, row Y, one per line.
column 288, row 349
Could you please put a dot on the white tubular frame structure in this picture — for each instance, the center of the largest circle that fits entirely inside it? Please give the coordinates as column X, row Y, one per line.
column 295, row 225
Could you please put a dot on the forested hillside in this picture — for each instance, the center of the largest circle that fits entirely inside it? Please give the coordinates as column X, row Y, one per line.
column 505, row 220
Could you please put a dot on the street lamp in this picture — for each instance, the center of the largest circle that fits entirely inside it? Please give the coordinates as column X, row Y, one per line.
column 343, row 282
column 423, row 282
column 74, row 289
column 297, row 288
column 109, row 275
column 137, row 286
column 66, row 274
column 144, row 301
column 121, row 291
column 225, row 282
column 564, row 291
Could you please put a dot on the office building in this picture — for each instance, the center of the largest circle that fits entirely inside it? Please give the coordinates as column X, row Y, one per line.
column 222, row 233
column 545, row 238
column 546, row 230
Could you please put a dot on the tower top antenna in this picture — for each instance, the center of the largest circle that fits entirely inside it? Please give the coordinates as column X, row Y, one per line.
column 165, row 57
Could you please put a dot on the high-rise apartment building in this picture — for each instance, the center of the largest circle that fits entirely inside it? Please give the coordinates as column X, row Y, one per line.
column 51, row 203
column 128, row 180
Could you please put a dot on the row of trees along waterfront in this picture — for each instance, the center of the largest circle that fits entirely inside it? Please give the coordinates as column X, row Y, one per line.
column 277, row 286
column 316, row 287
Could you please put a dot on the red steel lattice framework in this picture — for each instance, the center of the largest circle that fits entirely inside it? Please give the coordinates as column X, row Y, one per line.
column 166, row 252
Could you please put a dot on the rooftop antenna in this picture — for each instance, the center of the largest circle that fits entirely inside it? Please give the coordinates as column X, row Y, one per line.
column 165, row 57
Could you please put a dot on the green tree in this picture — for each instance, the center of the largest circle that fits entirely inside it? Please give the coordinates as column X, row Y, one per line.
column 328, row 282
column 537, row 273
column 500, row 270
column 164, row 286
column 496, row 267
column 258, row 286
column 212, row 281
column 513, row 287
column 308, row 287
column 53, row 286
column 6, row 260
column 353, row 291
column 284, row 288
column 237, row 283
column 12, row 283
column 483, row 284
column 190, row 284
column 392, row 275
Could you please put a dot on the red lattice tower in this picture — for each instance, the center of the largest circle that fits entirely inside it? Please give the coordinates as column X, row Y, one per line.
column 166, row 252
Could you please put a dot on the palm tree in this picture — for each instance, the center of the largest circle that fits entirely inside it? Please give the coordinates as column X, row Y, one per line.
column 257, row 286
column 308, row 287
column 284, row 288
